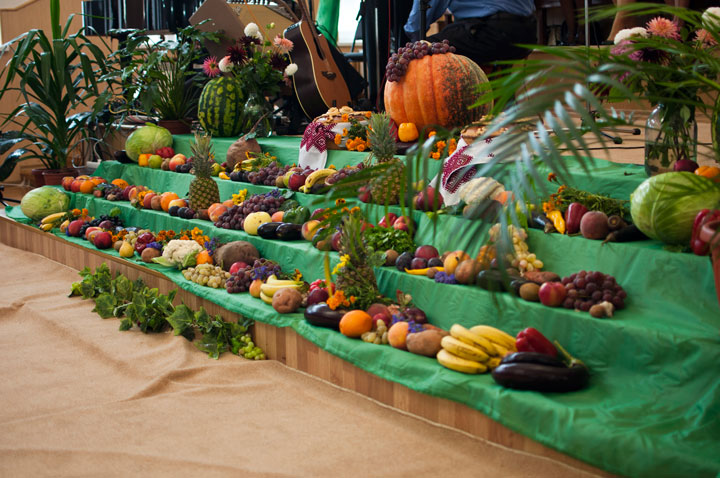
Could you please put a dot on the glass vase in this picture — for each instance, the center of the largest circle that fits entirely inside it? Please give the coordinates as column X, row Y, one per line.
column 258, row 112
column 670, row 135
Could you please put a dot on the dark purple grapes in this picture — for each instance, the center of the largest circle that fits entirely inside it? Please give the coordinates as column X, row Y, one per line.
column 398, row 62
column 587, row 288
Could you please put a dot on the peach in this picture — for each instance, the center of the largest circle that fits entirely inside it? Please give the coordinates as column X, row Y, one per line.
column 178, row 202
column 453, row 259
column 147, row 201
column 216, row 210
column 397, row 335
column 156, row 203
column 176, row 161
column 277, row 216
column 67, row 182
column 309, row 229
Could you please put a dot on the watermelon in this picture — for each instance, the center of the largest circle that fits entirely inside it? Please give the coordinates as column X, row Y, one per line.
column 221, row 107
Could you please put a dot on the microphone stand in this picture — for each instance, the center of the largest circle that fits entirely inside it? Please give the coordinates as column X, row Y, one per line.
column 424, row 7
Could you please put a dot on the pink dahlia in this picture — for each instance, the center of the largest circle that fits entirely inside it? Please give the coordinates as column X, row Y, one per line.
column 283, row 45
column 705, row 38
column 662, row 27
column 211, row 67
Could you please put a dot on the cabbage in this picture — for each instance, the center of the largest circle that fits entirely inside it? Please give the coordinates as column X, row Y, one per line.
column 41, row 202
column 147, row 139
column 664, row 206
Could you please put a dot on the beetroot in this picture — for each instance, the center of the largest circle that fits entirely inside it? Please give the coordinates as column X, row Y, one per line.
column 594, row 225
column 685, row 165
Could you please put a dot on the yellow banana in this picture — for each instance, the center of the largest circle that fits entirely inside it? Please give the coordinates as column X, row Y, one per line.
column 271, row 289
column 501, row 351
column 275, row 281
column 493, row 363
column 265, row 298
column 46, row 227
column 453, row 362
column 461, row 333
column 51, row 218
column 316, row 176
column 495, row 335
column 463, row 350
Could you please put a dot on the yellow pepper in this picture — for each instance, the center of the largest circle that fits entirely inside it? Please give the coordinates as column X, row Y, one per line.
column 223, row 175
column 422, row 272
column 407, row 132
column 557, row 218
column 710, row 172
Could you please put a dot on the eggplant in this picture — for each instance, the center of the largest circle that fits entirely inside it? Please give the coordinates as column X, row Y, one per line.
column 269, row 230
column 287, row 231
column 626, row 234
column 541, row 221
column 541, row 378
column 322, row 315
column 533, row 357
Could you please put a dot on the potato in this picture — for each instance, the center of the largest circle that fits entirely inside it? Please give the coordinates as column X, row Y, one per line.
column 425, row 343
column 148, row 253
column 541, row 277
column 390, row 257
column 236, row 251
column 529, row 291
column 466, row 271
column 286, row 301
column 236, row 151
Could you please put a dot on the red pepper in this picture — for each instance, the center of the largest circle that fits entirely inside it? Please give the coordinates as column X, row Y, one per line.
column 699, row 247
column 531, row 340
column 165, row 152
column 573, row 215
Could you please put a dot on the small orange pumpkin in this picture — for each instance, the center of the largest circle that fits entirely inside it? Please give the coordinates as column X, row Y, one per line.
column 710, row 172
column 437, row 90
column 203, row 257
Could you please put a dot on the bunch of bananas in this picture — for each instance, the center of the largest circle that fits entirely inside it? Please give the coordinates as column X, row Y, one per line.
column 476, row 350
column 52, row 221
column 316, row 177
column 273, row 284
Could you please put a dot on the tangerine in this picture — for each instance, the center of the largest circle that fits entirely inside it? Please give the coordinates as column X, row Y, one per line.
column 203, row 257
column 87, row 186
column 121, row 183
column 165, row 199
column 355, row 323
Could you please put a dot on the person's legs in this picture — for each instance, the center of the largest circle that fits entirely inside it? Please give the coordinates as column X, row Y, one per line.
column 490, row 39
column 622, row 19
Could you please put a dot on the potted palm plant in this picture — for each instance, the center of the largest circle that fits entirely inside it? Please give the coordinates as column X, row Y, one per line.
column 157, row 77
column 56, row 80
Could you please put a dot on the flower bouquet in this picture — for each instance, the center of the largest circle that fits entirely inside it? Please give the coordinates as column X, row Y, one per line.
column 260, row 69
column 669, row 68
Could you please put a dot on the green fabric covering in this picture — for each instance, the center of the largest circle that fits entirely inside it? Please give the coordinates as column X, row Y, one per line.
column 653, row 404
column 328, row 14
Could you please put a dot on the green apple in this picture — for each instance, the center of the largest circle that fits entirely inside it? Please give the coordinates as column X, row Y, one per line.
column 155, row 161
column 215, row 169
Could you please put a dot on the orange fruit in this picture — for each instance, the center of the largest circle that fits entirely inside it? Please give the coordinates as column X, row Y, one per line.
column 355, row 323
column 143, row 160
column 228, row 203
column 121, row 183
column 87, row 186
column 203, row 257
column 165, row 199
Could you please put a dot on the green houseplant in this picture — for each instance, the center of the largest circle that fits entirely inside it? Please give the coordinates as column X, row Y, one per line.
column 158, row 79
column 59, row 92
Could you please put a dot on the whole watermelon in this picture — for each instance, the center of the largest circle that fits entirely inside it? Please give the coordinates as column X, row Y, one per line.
column 220, row 110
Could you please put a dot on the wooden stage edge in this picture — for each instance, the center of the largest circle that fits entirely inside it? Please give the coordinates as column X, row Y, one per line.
column 286, row 346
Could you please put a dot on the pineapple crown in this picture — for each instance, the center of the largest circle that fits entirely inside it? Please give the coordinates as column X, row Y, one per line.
column 381, row 138
column 202, row 151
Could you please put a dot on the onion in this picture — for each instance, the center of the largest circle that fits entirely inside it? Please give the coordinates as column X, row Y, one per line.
column 685, row 165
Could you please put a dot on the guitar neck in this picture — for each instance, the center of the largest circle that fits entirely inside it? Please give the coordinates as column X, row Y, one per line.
column 305, row 14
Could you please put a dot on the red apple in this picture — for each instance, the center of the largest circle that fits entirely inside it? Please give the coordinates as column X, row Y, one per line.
column 316, row 296
column 126, row 192
column 318, row 214
column 73, row 228
column 388, row 220
column 89, row 230
column 428, row 200
column 418, row 263
column 176, row 161
column 380, row 311
column 236, row 266
column 336, row 238
column 552, row 294
column 67, row 182
column 400, row 224
column 296, row 180
column 75, row 185
column 364, row 194
column 426, row 252
column 147, row 200
column 103, row 240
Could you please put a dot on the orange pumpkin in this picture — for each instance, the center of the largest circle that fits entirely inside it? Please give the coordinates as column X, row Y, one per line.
column 437, row 90
column 203, row 257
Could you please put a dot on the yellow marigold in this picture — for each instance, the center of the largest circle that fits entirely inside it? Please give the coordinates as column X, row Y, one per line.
column 552, row 177
column 345, row 210
column 361, row 147
column 352, row 299
column 184, row 237
column 344, row 132
column 368, row 114
column 337, row 299
column 432, row 133
column 76, row 212
column 345, row 117
column 435, row 155
column 298, row 275
column 338, row 139
column 561, row 189
column 440, row 145
column 339, row 202
column 354, row 210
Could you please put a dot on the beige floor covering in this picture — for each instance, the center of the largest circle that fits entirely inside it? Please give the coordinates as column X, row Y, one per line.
column 80, row 398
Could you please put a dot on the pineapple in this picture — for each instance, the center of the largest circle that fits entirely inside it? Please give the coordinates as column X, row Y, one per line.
column 357, row 277
column 203, row 190
column 386, row 187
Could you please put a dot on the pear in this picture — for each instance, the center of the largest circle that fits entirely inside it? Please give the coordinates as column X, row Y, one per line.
column 126, row 250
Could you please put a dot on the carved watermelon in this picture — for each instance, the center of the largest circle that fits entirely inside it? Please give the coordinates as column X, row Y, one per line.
column 221, row 107
column 437, row 90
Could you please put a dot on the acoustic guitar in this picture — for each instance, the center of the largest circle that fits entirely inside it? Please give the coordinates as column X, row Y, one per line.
column 318, row 83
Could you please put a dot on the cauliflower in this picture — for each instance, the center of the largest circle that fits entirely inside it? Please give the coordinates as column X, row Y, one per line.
column 177, row 249
column 478, row 189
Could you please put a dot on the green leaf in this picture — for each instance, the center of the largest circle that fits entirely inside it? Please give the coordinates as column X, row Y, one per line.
column 114, row 212
column 181, row 319
column 123, row 288
column 105, row 305
column 75, row 289
column 163, row 261
column 125, row 324
column 188, row 260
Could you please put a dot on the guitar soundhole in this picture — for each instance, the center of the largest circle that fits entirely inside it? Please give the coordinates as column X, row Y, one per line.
column 330, row 75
